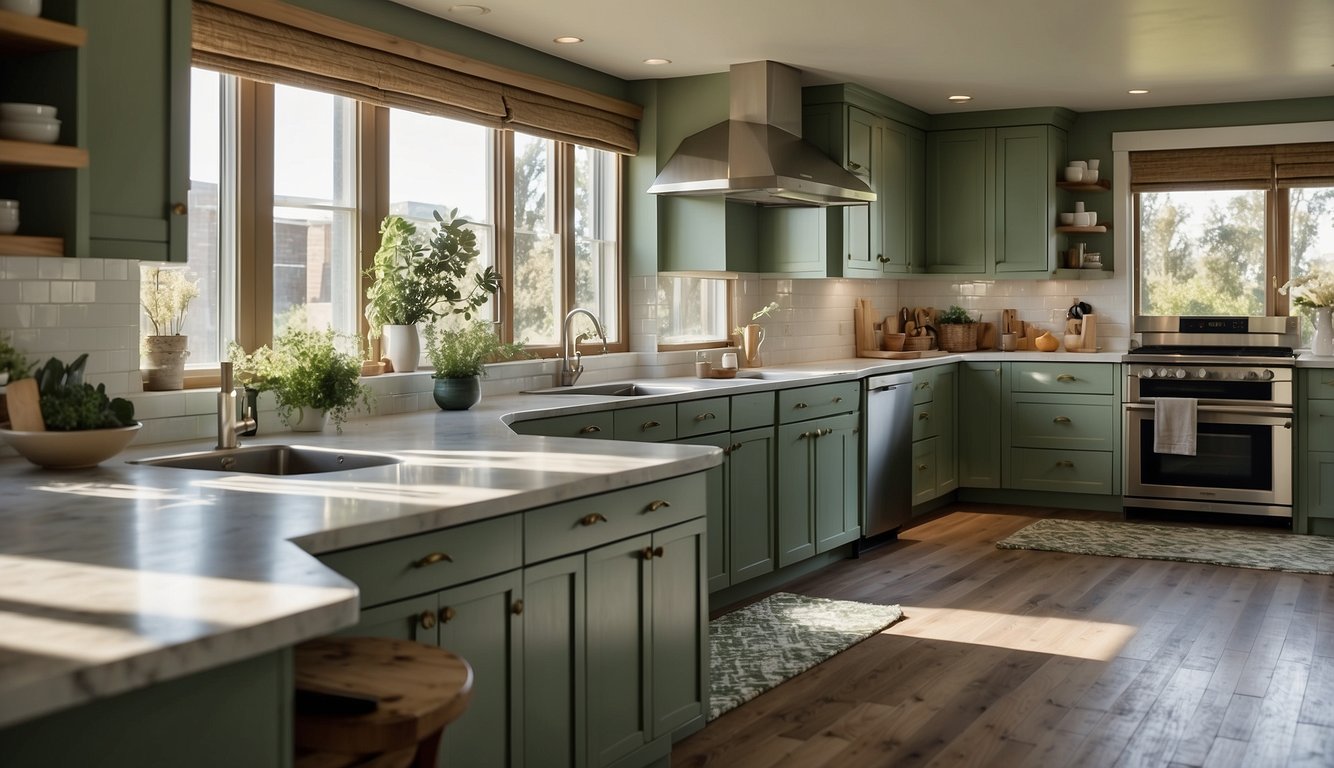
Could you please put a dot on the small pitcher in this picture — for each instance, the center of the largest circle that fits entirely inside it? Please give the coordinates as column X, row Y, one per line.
column 750, row 344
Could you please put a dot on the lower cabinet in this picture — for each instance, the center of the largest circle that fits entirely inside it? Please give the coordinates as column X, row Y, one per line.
column 935, row 466
column 750, row 519
column 980, row 425
column 591, row 656
column 817, row 486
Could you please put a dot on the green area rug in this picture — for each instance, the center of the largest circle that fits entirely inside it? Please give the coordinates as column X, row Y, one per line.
column 755, row 648
column 1214, row 546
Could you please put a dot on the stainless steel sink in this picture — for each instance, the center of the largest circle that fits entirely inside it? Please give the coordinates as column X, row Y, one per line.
column 615, row 389
column 273, row 460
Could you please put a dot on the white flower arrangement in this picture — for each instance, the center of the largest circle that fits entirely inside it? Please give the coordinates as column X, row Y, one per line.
column 165, row 295
column 1313, row 290
column 764, row 311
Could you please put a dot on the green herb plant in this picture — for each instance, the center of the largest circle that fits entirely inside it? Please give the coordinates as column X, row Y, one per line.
column 416, row 279
column 305, row 369
column 955, row 315
column 458, row 353
column 69, row 404
column 13, row 364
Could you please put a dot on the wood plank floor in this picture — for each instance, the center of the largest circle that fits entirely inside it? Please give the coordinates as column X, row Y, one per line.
column 1014, row 658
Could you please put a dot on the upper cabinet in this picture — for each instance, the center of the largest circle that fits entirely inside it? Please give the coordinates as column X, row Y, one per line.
column 42, row 58
column 990, row 200
column 138, row 77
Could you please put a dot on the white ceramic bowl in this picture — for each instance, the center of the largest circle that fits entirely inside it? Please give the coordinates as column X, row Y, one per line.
column 24, row 7
column 70, row 450
column 13, row 110
column 9, row 221
column 1090, row 176
column 1092, row 218
column 37, row 131
column 1067, row 219
column 1074, row 173
column 1078, row 164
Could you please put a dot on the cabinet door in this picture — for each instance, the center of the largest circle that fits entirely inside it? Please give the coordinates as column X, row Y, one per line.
column 679, row 610
column 1025, row 198
column 750, row 534
column 617, row 639
column 138, row 74
column 801, row 242
column 945, row 382
column 483, row 623
column 553, row 664
column 862, row 247
column 796, row 492
column 959, row 187
column 412, row 619
column 924, row 470
column 979, row 432
column 718, row 482
column 836, row 450
column 899, row 195
column 1318, row 475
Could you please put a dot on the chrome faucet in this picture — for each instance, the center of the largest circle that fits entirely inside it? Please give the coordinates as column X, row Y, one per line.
column 228, row 424
column 569, row 374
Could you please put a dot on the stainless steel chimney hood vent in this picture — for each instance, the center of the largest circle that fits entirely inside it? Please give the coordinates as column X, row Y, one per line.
column 758, row 156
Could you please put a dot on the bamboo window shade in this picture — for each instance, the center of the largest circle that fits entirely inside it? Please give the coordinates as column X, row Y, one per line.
column 269, row 50
column 1254, row 167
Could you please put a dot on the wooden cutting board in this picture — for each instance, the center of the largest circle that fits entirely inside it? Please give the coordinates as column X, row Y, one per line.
column 25, row 407
column 986, row 336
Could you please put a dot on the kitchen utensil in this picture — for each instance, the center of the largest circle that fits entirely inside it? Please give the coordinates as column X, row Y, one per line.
column 23, row 7
column 25, row 408
column 1074, row 173
column 1008, row 342
column 1093, row 164
column 1078, row 163
column 892, row 342
column 986, row 336
column 1071, row 341
column 729, row 360
column 1067, row 219
column 1079, row 208
column 1090, row 176
column 36, row 131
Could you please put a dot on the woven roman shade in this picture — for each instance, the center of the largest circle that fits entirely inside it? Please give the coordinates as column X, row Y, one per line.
column 1257, row 167
column 314, row 56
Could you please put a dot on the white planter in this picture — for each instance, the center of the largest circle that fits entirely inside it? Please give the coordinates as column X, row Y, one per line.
column 402, row 346
column 165, row 356
column 308, row 420
column 1323, row 343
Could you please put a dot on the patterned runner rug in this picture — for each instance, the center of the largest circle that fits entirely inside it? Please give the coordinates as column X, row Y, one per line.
column 755, row 648
column 1215, row 546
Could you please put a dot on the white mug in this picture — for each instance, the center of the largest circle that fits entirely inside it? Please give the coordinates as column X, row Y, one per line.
column 729, row 360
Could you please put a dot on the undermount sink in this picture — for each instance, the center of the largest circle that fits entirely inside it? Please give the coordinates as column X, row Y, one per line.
column 615, row 389
column 273, row 460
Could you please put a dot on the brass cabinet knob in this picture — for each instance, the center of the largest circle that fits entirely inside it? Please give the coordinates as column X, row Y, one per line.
column 179, row 209
column 517, row 608
column 592, row 519
column 590, row 429
column 432, row 559
column 427, row 619
column 1061, row 420
column 658, row 504
column 657, row 551
column 447, row 615
column 646, row 553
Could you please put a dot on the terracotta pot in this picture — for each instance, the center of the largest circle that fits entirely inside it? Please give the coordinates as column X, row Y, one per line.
column 165, row 356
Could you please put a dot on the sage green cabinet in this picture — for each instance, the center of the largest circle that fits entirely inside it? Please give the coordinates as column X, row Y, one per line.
column 750, row 510
column 554, row 674
column 960, row 216
column 801, row 242
column 1028, row 158
column 596, row 425
column 138, row 110
column 706, row 234
column 817, row 486
column 718, row 484
column 1315, row 452
column 1061, row 426
column 979, row 432
column 924, row 470
column 935, row 464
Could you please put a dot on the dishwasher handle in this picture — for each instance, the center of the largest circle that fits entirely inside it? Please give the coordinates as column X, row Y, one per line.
column 888, row 381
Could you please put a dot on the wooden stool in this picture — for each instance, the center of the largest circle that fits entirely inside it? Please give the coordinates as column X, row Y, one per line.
column 400, row 696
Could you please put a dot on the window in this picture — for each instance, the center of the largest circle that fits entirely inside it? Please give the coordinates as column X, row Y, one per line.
column 1218, row 231
column 692, row 311
column 206, row 324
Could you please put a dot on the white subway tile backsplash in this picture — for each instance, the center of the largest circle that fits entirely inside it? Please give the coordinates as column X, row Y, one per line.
column 51, row 269
column 91, row 269
column 35, row 291
column 62, row 292
column 118, row 269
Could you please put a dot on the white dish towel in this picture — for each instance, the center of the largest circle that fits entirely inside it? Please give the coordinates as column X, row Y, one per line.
column 1174, row 425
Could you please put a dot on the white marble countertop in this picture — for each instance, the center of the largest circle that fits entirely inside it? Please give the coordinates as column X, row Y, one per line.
column 120, row 576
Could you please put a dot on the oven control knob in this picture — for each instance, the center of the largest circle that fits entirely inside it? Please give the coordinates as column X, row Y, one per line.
column 1180, row 373
column 1162, row 373
column 1147, row 373
column 1203, row 373
column 1252, row 375
column 1266, row 374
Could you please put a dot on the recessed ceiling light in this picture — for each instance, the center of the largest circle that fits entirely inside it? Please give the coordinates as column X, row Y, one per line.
column 469, row 10
column 568, row 40
column 960, row 99
column 1138, row 91
column 657, row 62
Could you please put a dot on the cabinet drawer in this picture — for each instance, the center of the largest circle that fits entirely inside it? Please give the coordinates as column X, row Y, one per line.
column 597, row 425
column 647, row 424
column 923, row 387
column 1318, row 475
column 702, row 417
column 813, row 402
column 1318, row 423
column 575, row 526
column 753, row 410
column 1063, row 425
column 1319, row 383
column 924, row 470
column 430, row 561
column 1069, row 471
column 924, row 422
column 1080, row 378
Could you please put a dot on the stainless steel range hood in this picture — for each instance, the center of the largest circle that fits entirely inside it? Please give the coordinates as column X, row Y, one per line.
column 758, row 156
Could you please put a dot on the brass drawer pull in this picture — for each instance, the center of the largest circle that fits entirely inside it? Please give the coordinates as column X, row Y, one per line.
column 654, row 506
column 923, row 416
column 447, row 615
column 590, row 429
column 1065, row 377
column 799, row 406
column 432, row 559
column 1066, row 463
column 924, row 385
column 921, row 467
column 517, row 608
column 1061, row 420
column 646, row 426
column 705, row 416
column 825, row 431
column 880, row 257
column 853, row 165
column 592, row 519
column 734, row 447
column 427, row 619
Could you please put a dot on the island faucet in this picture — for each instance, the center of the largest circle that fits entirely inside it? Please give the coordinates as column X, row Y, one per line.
column 569, row 374
column 228, row 425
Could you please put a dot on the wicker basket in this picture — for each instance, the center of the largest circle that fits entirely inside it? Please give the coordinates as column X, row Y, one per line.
column 919, row 343
column 958, row 337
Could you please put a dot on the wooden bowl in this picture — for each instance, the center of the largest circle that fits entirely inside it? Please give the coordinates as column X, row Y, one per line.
column 70, row 450
column 892, row 342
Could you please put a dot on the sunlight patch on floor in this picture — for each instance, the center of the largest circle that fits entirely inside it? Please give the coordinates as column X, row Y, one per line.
column 1079, row 638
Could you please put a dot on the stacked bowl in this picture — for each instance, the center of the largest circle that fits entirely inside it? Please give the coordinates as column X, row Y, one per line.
column 29, row 122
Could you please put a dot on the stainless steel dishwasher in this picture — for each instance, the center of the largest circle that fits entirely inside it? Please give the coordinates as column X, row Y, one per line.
column 887, row 431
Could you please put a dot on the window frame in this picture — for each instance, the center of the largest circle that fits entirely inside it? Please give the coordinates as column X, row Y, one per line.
column 729, row 310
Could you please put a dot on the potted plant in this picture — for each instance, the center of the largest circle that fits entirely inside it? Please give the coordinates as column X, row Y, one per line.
column 458, row 356
column 256, row 372
column 166, row 295
column 957, row 330
column 74, row 425
column 1315, row 292
column 13, row 366
column 752, row 334
column 310, row 377
column 413, row 281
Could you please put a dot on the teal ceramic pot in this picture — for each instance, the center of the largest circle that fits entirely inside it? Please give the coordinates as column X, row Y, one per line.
column 457, row 394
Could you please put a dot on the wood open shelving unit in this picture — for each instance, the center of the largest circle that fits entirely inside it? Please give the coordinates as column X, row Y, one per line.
column 1093, row 230
column 1101, row 185
column 21, row 34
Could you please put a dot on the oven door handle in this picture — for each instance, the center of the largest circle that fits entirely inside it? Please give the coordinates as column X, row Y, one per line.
column 1247, row 415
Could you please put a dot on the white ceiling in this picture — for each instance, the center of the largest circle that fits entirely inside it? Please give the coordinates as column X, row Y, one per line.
column 1080, row 54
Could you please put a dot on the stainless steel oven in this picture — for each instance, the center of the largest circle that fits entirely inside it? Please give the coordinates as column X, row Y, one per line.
column 1239, row 371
